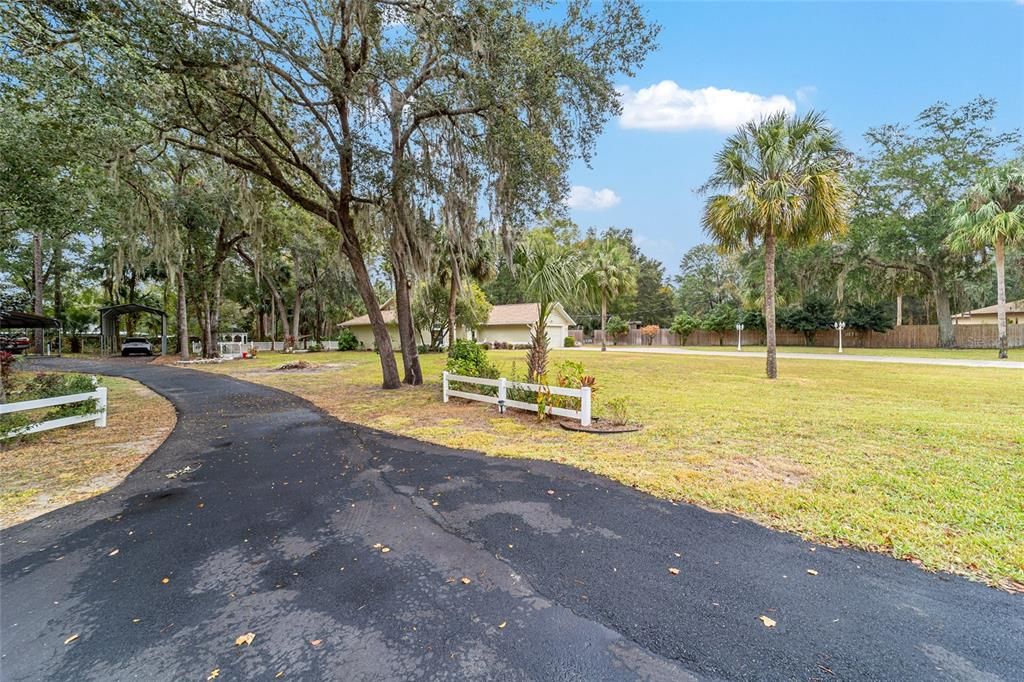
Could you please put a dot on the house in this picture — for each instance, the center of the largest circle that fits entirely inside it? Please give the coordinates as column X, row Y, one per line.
column 512, row 324
column 506, row 324
column 988, row 314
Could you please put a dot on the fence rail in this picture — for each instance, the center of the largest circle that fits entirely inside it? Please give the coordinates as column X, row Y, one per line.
column 502, row 400
column 100, row 416
column 904, row 336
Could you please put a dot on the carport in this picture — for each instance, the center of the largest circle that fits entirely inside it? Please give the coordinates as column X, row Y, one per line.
column 14, row 320
column 108, row 324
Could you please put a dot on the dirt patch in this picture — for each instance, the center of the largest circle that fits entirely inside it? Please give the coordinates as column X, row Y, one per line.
column 294, row 365
column 599, row 426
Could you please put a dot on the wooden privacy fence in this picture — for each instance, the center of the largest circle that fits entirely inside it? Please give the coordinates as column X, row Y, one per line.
column 905, row 336
column 502, row 400
column 99, row 416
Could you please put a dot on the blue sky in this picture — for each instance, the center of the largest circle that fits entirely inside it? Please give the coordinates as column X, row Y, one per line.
column 863, row 64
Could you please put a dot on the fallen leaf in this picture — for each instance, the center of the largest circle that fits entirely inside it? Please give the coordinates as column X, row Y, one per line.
column 465, row 581
column 435, row 504
column 677, row 554
column 673, row 571
column 385, row 550
column 377, row 545
column 70, row 639
column 165, row 581
column 316, row 642
column 811, row 571
column 114, row 552
column 245, row 639
column 214, row 674
column 279, row 675
column 502, row 624
column 136, row 620
column 551, row 492
column 768, row 622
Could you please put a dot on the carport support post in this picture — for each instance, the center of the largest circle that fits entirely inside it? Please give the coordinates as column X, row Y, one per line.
column 444, row 385
column 585, row 406
column 163, row 334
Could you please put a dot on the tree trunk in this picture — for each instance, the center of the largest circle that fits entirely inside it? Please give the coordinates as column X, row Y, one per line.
column 453, row 301
column 389, row 369
column 1001, row 295
column 604, row 321
column 406, row 328
column 769, row 305
column 182, row 316
column 204, row 313
column 899, row 310
column 943, row 316
column 37, row 287
column 57, row 268
column 296, row 313
column 273, row 322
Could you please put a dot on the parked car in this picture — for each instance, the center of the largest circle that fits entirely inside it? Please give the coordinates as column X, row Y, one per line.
column 136, row 345
column 14, row 343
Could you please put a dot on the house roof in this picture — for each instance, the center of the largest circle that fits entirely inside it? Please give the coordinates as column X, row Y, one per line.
column 511, row 314
column 1011, row 307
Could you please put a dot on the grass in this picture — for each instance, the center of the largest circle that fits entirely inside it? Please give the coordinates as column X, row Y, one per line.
column 63, row 466
column 921, row 462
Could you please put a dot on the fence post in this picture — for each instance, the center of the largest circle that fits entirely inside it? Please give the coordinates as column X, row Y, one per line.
column 585, row 406
column 502, row 391
column 101, row 401
column 444, row 384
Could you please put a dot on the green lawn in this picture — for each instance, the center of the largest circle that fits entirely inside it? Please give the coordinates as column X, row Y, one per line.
column 924, row 463
column 949, row 353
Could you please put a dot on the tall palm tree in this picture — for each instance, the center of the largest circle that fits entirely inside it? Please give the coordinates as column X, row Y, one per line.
column 992, row 214
column 782, row 183
column 549, row 273
column 611, row 274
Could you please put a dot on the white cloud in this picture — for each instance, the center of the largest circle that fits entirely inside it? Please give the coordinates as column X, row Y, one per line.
column 805, row 93
column 585, row 198
column 666, row 106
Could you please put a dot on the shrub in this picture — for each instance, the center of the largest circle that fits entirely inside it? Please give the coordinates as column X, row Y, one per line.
column 616, row 327
column 49, row 385
column 684, row 325
column 314, row 347
column 469, row 358
column 617, row 411
column 347, row 340
column 649, row 332
column 569, row 342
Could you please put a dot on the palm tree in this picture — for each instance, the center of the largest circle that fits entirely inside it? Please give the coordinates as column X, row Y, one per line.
column 992, row 214
column 611, row 274
column 783, row 183
column 549, row 273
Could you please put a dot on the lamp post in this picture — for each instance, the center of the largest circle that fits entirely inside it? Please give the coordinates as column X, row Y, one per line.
column 739, row 336
column 839, row 326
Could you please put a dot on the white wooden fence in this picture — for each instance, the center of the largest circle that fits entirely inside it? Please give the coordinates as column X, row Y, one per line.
column 502, row 401
column 100, row 416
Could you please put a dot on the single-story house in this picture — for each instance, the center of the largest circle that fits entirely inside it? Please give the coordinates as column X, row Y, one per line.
column 989, row 314
column 506, row 324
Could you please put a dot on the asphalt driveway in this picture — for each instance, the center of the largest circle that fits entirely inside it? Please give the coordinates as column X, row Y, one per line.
column 260, row 514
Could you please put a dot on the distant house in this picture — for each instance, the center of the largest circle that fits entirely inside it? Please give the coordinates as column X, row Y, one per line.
column 988, row 314
column 506, row 324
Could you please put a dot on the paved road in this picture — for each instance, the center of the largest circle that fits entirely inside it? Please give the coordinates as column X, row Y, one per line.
column 276, row 534
column 835, row 357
